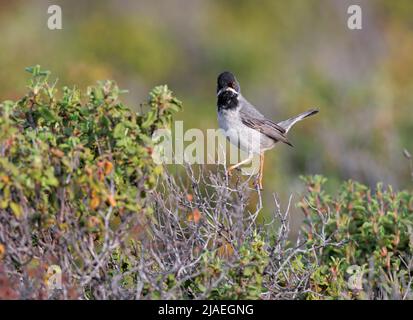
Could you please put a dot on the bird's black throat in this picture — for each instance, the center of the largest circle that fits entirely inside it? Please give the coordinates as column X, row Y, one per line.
column 227, row 100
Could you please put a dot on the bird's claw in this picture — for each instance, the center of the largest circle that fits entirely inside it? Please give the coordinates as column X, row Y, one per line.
column 258, row 184
column 230, row 171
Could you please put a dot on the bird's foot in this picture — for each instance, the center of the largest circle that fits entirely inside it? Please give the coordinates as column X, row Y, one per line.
column 258, row 184
column 230, row 171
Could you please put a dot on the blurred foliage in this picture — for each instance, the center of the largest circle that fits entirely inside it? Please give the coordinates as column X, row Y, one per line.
column 376, row 228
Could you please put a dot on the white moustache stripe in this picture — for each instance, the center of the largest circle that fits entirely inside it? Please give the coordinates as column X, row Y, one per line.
column 226, row 89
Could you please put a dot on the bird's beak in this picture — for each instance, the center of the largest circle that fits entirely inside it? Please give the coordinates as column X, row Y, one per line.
column 227, row 89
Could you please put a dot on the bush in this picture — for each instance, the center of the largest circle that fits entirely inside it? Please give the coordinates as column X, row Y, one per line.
column 81, row 197
column 375, row 228
column 75, row 173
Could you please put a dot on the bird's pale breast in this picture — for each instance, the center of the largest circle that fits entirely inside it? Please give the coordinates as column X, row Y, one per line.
column 246, row 138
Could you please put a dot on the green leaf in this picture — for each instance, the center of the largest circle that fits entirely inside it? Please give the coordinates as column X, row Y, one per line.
column 17, row 210
column 150, row 119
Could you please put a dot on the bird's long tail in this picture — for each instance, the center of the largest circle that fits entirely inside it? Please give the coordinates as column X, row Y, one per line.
column 287, row 124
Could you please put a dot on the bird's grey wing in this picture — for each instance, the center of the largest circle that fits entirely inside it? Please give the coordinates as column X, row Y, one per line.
column 248, row 108
column 265, row 126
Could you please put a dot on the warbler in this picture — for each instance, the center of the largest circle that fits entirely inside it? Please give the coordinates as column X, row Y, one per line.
column 245, row 126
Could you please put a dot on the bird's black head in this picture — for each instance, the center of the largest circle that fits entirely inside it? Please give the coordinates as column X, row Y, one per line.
column 227, row 91
column 227, row 81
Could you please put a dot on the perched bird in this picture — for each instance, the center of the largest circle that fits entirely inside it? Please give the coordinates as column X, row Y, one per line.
column 245, row 126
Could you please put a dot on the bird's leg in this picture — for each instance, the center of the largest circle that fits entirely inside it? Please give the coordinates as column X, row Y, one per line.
column 249, row 159
column 260, row 173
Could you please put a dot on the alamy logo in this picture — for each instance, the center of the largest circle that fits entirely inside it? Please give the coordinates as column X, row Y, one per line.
column 54, row 22
column 354, row 21
column 355, row 281
column 53, row 278
column 211, row 148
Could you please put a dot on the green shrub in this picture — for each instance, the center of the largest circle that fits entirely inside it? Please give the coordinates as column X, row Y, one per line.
column 75, row 164
column 375, row 228
column 61, row 154
column 243, row 280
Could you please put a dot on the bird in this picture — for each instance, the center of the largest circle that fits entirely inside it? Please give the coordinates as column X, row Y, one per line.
column 246, row 127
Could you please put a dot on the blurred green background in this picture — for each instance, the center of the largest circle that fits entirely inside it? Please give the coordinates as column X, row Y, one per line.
column 288, row 56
